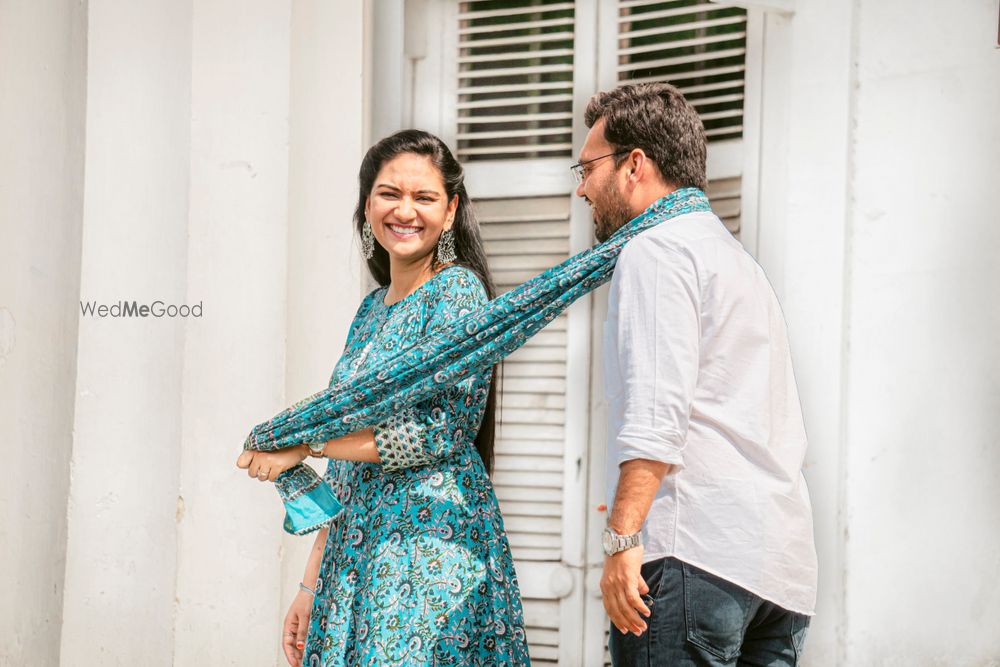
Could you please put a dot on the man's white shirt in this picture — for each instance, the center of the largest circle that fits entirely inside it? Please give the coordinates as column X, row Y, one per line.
column 698, row 374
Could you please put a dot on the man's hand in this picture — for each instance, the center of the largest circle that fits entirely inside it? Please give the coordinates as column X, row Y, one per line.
column 621, row 586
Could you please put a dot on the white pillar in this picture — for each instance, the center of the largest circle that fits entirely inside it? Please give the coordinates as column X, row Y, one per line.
column 227, row 590
column 121, row 552
column 42, row 101
column 326, row 145
column 802, row 232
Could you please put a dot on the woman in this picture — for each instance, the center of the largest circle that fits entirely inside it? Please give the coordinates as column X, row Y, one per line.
column 417, row 568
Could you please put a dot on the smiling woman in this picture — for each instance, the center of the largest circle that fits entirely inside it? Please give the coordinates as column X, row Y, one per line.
column 417, row 568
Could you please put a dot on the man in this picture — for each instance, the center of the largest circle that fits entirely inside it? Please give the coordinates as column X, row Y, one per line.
column 710, row 555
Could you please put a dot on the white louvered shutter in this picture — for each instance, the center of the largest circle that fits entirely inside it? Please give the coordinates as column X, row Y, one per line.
column 515, row 80
column 514, row 121
column 700, row 47
column 523, row 237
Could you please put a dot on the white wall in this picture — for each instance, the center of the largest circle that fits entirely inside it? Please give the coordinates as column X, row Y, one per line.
column 202, row 151
column 922, row 499
column 228, row 526
column 42, row 97
column 121, row 551
column 878, row 225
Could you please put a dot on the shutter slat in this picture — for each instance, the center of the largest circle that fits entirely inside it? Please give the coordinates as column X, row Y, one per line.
column 713, row 115
column 507, row 463
column 533, row 524
column 554, row 432
column 538, row 38
column 513, row 491
column 511, row 134
column 515, row 507
column 727, row 132
column 527, row 262
column 516, row 71
column 673, row 44
column 535, row 246
column 517, row 25
column 696, row 74
column 494, row 151
column 539, row 480
column 534, row 540
column 539, row 353
column 661, row 14
column 524, row 55
column 682, row 60
column 513, row 87
column 707, row 87
column 530, row 447
column 501, row 103
column 541, row 229
column 517, row 118
column 683, row 27
column 520, row 369
column 515, row 11
column 549, row 402
column 718, row 99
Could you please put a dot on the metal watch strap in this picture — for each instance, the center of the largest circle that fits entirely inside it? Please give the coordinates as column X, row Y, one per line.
column 621, row 543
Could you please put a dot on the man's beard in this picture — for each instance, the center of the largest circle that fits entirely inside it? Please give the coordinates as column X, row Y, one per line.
column 610, row 211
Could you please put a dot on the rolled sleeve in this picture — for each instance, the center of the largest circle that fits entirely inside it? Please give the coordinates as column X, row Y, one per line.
column 658, row 334
column 637, row 442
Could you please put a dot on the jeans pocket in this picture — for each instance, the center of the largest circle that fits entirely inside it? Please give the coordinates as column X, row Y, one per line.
column 800, row 628
column 652, row 574
column 716, row 612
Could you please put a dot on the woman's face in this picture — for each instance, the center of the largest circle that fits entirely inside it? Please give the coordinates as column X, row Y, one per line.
column 408, row 208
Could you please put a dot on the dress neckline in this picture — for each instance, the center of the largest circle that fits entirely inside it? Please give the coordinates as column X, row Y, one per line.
column 385, row 290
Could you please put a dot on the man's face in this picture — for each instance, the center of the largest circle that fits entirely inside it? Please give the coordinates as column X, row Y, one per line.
column 602, row 184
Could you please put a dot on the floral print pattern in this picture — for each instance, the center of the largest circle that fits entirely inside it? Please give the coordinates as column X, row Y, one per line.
column 417, row 569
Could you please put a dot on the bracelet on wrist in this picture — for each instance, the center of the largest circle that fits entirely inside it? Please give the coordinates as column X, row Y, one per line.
column 303, row 587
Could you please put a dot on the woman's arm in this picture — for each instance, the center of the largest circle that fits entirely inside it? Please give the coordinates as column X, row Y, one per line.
column 315, row 558
column 266, row 466
column 296, row 625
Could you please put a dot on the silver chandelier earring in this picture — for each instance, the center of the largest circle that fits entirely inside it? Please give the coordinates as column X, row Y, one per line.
column 446, row 247
column 367, row 240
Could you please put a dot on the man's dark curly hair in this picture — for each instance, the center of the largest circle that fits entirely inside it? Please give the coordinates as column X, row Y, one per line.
column 656, row 118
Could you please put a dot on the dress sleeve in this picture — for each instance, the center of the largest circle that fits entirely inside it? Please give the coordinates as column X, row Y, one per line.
column 442, row 425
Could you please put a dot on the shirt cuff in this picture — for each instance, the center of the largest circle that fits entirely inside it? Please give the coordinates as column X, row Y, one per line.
column 400, row 442
column 638, row 442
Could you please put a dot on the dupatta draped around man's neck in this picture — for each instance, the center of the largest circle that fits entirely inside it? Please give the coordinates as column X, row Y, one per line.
column 473, row 343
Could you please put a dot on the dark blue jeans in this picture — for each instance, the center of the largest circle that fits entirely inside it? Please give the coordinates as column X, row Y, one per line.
column 700, row 619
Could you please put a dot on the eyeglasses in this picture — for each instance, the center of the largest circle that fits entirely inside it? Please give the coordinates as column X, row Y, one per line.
column 581, row 173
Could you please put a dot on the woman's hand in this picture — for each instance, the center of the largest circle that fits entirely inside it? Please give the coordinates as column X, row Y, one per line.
column 293, row 632
column 266, row 466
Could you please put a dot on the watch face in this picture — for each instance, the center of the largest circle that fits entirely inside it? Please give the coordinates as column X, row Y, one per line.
column 607, row 540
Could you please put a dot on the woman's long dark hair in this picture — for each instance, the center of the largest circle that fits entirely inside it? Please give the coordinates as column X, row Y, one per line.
column 468, row 243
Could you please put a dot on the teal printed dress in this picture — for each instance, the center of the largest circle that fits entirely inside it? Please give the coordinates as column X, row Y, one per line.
column 417, row 569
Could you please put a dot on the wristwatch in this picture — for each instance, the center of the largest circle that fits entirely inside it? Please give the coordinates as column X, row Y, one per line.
column 613, row 542
column 316, row 449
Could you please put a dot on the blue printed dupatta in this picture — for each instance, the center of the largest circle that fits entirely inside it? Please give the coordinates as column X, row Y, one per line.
column 476, row 341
